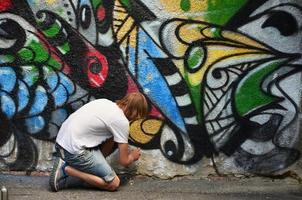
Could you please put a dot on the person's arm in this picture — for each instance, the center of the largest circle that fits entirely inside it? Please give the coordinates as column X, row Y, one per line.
column 126, row 157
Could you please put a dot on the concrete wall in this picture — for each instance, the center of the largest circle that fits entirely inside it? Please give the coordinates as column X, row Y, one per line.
column 223, row 79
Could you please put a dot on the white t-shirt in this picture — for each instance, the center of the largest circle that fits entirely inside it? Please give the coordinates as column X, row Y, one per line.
column 92, row 124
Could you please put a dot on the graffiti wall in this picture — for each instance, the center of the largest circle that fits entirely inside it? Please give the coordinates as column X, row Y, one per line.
column 223, row 78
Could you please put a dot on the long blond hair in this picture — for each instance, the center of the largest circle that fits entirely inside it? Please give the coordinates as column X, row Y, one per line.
column 134, row 105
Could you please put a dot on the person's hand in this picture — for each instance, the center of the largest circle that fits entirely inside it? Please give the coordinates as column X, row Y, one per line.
column 135, row 154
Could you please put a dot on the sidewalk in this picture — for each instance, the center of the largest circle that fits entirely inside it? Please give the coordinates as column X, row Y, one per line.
column 138, row 188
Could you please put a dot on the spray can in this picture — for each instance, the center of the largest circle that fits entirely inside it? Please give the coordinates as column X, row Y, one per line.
column 4, row 193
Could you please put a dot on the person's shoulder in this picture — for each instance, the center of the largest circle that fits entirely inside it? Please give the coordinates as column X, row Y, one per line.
column 107, row 106
column 102, row 101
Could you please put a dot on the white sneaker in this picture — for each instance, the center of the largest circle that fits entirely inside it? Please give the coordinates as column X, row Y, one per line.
column 58, row 176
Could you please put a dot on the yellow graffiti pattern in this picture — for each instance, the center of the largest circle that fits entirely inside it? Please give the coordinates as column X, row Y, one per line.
column 143, row 131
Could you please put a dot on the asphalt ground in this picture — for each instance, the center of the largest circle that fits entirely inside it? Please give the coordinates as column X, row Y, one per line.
column 33, row 187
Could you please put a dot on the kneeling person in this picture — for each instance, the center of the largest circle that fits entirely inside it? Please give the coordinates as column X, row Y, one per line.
column 98, row 122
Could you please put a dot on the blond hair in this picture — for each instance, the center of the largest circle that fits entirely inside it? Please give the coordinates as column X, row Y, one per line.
column 134, row 105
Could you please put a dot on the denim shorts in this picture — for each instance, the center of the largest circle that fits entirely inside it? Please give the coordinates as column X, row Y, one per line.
column 90, row 161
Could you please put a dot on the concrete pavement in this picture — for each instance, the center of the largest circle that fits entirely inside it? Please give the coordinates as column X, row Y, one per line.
column 226, row 188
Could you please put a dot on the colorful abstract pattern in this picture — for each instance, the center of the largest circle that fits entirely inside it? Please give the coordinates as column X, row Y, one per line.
column 220, row 76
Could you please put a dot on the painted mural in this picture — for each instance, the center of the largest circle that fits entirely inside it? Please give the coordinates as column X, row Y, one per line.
column 221, row 77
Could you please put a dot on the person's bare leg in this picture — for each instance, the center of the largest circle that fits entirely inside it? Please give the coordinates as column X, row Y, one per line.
column 93, row 180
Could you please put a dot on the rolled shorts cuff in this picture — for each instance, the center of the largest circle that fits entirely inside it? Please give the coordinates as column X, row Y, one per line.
column 108, row 178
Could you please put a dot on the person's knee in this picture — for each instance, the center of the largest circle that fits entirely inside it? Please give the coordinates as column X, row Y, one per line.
column 114, row 184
